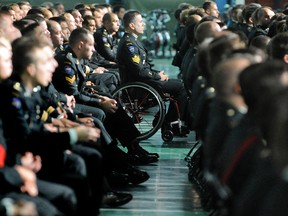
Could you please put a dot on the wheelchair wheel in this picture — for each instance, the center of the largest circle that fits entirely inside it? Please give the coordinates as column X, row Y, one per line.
column 143, row 105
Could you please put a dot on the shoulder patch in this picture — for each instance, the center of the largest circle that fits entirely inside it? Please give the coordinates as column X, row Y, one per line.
column 131, row 49
column 104, row 39
column 68, row 69
column 16, row 102
column 136, row 59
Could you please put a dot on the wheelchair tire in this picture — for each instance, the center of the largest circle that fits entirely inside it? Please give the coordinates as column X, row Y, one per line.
column 144, row 105
column 167, row 135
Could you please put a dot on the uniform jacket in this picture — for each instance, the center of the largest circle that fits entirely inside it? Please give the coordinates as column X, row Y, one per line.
column 70, row 76
column 133, row 61
column 105, row 44
column 23, row 125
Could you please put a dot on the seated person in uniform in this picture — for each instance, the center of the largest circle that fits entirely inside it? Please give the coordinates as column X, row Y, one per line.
column 69, row 79
column 132, row 58
column 106, row 42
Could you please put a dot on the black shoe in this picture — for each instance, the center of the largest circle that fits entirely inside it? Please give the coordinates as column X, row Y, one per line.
column 114, row 199
column 136, row 149
column 139, row 160
column 140, row 151
column 137, row 176
column 117, row 179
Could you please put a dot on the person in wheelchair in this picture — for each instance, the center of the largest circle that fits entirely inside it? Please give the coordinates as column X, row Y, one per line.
column 70, row 79
column 132, row 58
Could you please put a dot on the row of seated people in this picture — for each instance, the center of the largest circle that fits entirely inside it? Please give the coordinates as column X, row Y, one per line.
column 54, row 112
column 238, row 101
column 52, row 134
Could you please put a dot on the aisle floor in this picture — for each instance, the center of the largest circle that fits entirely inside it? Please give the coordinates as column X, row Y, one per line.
column 168, row 191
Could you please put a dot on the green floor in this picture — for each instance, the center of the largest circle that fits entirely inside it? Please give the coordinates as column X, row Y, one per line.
column 168, row 191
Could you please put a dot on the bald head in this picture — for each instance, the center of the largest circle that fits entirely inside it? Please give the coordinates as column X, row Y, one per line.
column 206, row 30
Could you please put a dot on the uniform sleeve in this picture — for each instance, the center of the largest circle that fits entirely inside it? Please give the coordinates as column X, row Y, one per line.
column 137, row 63
column 65, row 81
column 10, row 180
column 103, row 46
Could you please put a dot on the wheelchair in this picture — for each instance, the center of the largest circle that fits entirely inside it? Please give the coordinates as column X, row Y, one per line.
column 147, row 109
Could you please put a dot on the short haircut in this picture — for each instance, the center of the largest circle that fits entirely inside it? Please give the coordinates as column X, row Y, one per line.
column 207, row 5
column 108, row 17
column 77, row 35
column 129, row 17
column 278, row 46
column 23, row 51
column 58, row 19
column 117, row 8
column 86, row 20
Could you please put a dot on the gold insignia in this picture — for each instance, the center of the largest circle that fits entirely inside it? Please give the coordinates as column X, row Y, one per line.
column 59, row 104
column 70, row 80
column 107, row 44
column 50, row 109
column 230, row 112
column 67, row 62
column 136, row 59
column 77, row 62
column 17, row 87
column 87, row 69
column 44, row 116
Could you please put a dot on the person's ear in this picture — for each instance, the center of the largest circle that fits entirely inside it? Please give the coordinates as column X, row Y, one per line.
column 31, row 69
column 80, row 45
column 132, row 26
column 237, row 88
column 285, row 58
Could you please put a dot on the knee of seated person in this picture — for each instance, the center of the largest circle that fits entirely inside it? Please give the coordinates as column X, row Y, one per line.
column 75, row 164
column 99, row 114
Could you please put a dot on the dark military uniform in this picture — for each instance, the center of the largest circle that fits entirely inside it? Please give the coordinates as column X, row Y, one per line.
column 69, row 78
column 68, row 64
column 240, row 155
column 134, row 66
column 105, row 44
column 222, row 118
column 23, row 109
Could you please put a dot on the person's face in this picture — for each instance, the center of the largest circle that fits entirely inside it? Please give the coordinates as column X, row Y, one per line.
column 98, row 18
column 114, row 25
column 57, row 35
column 42, row 30
column 8, row 30
column 5, row 62
column 264, row 19
column 25, row 9
column 78, row 18
column 18, row 12
column 44, row 66
column 121, row 13
column 70, row 22
column 87, row 48
column 13, row 15
column 91, row 25
column 60, row 8
column 213, row 10
column 138, row 25
column 65, row 30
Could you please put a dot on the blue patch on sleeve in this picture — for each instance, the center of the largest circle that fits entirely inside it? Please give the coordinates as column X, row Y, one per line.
column 16, row 102
column 131, row 49
column 68, row 69
column 104, row 39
